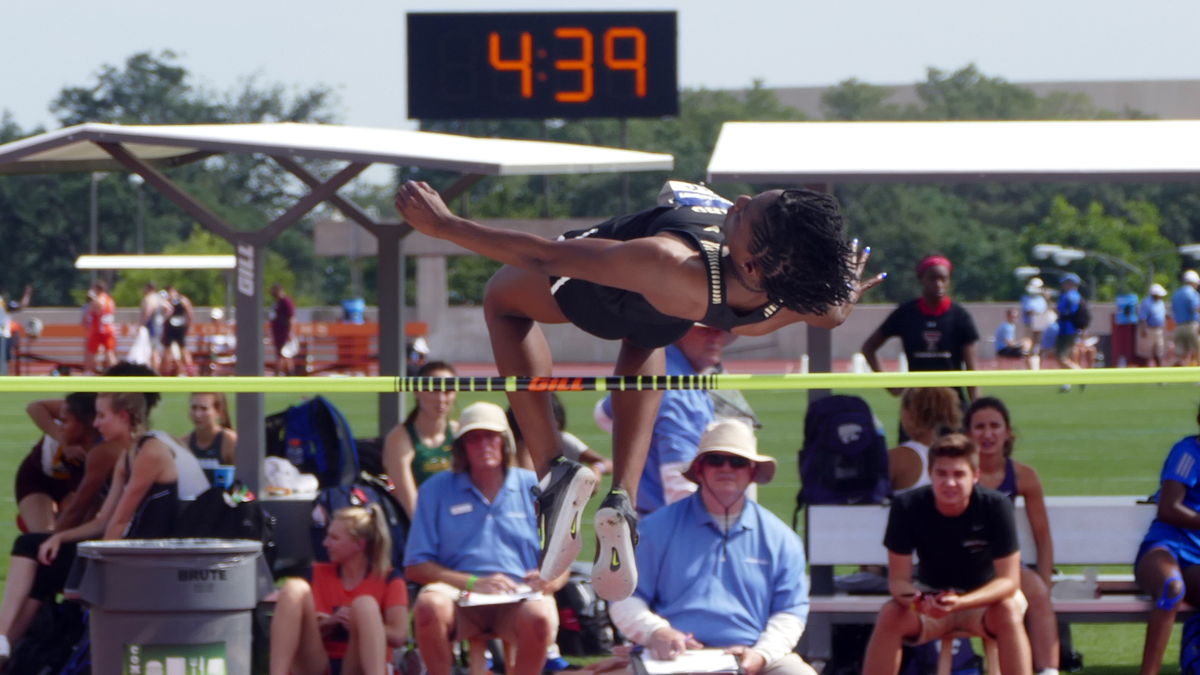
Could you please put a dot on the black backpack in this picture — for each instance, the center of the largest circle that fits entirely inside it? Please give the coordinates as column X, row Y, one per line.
column 233, row 514
column 1081, row 318
column 315, row 436
column 367, row 489
column 844, row 459
column 584, row 628
column 52, row 639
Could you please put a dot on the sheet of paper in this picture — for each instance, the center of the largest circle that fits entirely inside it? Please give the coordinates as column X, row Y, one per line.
column 477, row 599
column 692, row 661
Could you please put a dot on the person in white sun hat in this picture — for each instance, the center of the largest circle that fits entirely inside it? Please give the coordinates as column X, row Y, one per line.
column 1152, row 321
column 474, row 531
column 718, row 570
column 1035, row 315
column 1185, row 309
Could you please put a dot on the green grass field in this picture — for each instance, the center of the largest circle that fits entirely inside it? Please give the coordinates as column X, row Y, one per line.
column 1108, row 440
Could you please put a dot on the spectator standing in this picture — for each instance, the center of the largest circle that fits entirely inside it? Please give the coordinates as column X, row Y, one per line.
column 936, row 332
column 717, row 569
column 1036, row 315
column 99, row 317
column 1152, row 321
column 153, row 305
column 1185, row 309
column 281, row 330
column 177, row 358
column 1069, row 302
column 7, row 307
column 958, row 587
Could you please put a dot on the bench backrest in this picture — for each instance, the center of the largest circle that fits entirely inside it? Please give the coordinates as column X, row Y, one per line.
column 1085, row 531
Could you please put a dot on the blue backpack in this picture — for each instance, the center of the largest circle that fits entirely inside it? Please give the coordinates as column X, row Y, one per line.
column 367, row 489
column 315, row 436
column 844, row 459
column 1189, row 647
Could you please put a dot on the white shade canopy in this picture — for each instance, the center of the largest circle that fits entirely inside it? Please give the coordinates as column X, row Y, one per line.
column 922, row 152
column 155, row 262
column 74, row 149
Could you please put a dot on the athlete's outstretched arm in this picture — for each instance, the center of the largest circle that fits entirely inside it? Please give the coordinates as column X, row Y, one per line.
column 641, row 265
column 835, row 315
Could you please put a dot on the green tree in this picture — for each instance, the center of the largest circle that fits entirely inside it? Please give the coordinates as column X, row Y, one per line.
column 49, row 213
column 203, row 287
column 1131, row 235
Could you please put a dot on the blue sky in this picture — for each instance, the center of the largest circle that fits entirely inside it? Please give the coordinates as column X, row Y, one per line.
column 357, row 46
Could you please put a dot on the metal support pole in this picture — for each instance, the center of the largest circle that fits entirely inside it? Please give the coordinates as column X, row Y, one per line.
column 251, row 443
column 392, row 354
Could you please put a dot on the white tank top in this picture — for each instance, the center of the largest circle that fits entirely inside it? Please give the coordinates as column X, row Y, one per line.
column 922, row 451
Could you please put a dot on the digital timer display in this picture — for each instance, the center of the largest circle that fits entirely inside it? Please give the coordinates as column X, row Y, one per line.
column 542, row 65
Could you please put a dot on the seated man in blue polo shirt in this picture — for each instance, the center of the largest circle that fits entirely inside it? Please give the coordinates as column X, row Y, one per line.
column 718, row 570
column 474, row 530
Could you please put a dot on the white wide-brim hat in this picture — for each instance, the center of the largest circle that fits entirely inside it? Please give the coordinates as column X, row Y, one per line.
column 732, row 437
column 489, row 417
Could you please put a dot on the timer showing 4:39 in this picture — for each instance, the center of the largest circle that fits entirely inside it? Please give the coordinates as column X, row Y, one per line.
column 542, row 65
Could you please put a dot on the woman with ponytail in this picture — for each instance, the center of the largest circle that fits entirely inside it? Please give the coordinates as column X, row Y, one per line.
column 346, row 619
column 142, row 503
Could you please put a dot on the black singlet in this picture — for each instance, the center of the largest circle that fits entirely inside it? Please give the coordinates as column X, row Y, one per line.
column 615, row 314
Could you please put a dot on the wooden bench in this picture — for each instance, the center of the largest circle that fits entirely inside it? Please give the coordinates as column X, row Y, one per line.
column 1089, row 531
column 325, row 347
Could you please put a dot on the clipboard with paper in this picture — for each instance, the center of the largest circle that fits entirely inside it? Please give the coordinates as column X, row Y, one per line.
column 477, row 599
column 691, row 661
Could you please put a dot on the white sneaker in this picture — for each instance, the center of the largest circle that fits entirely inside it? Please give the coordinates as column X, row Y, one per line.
column 614, row 573
column 5, row 650
column 561, row 497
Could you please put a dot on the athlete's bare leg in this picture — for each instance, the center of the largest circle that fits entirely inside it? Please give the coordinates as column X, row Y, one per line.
column 515, row 301
column 634, row 413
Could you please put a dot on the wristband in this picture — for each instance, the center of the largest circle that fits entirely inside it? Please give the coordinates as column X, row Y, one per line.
column 471, row 579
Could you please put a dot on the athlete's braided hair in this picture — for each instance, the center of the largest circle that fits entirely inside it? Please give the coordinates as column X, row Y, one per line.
column 801, row 252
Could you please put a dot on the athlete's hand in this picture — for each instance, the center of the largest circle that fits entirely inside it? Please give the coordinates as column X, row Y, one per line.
column 858, row 262
column 422, row 207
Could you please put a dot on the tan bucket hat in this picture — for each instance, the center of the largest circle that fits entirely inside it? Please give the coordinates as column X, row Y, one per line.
column 490, row 417
column 732, row 437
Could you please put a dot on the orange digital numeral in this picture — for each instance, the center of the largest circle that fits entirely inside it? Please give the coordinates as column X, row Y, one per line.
column 582, row 64
column 637, row 63
column 524, row 65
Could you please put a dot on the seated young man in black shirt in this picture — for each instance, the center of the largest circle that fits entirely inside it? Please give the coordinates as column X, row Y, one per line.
column 969, row 578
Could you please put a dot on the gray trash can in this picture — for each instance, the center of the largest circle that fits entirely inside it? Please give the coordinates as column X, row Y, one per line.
column 171, row 606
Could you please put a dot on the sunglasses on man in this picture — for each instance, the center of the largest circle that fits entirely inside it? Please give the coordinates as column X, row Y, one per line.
column 718, row 460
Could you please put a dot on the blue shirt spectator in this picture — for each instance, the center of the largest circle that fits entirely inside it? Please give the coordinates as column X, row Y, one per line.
column 1183, row 466
column 682, row 416
column 1068, row 304
column 718, row 570
column 1185, row 304
column 1153, row 312
column 456, row 527
column 1006, row 334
